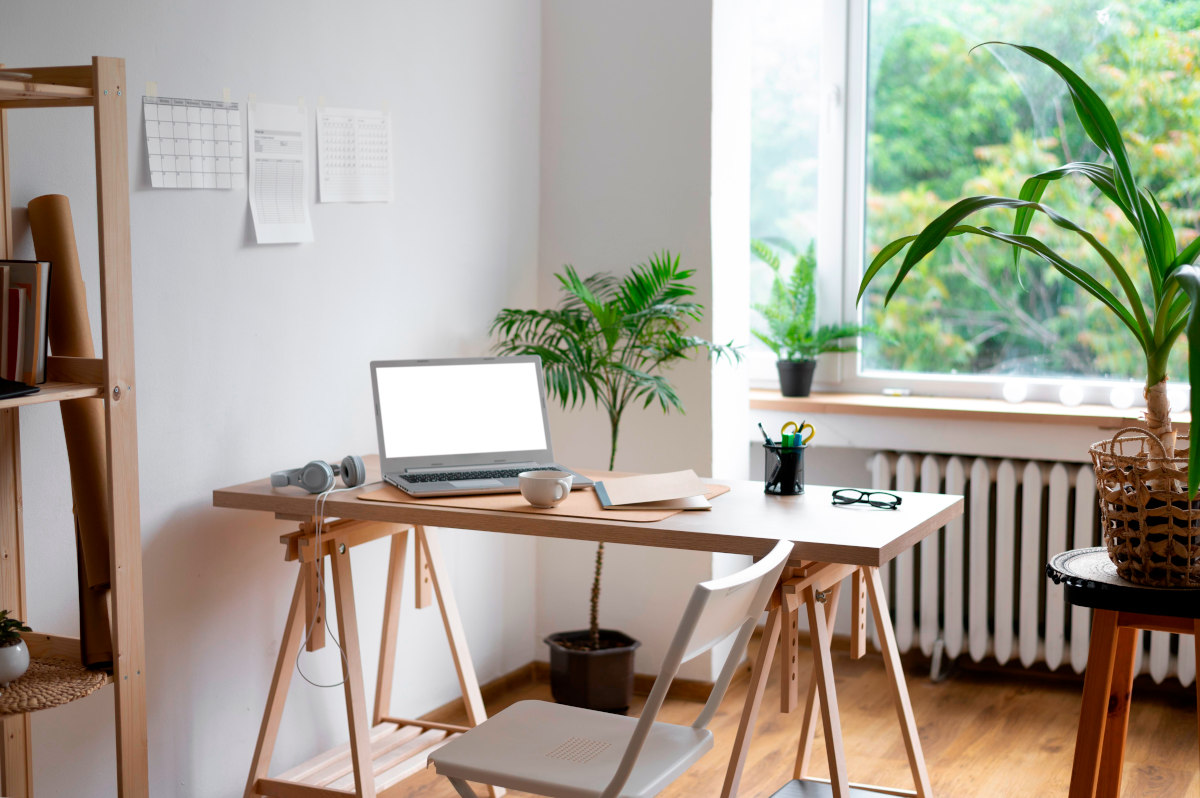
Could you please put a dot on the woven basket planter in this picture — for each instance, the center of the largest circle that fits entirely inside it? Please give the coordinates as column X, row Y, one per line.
column 1151, row 530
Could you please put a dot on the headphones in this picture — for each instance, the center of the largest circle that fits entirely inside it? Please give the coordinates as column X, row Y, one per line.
column 318, row 476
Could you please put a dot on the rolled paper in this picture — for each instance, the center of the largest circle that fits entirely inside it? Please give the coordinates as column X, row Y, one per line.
column 70, row 335
column 95, row 633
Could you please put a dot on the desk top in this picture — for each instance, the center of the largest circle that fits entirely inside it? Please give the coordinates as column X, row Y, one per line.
column 743, row 521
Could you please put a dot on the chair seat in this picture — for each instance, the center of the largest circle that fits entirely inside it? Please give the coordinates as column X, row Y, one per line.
column 556, row 750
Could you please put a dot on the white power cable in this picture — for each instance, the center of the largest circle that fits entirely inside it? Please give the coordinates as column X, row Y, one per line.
column 318, row 559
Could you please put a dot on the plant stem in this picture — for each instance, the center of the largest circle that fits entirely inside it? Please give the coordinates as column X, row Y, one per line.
column 614, row 420
column 594, row 615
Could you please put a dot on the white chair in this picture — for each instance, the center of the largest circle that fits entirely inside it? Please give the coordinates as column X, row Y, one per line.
column 569, row 752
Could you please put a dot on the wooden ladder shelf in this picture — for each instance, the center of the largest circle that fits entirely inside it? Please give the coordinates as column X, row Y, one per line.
column 100, row 86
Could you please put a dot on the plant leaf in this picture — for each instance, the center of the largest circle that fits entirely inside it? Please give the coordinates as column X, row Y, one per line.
column 1189, row 279
column 941, row 227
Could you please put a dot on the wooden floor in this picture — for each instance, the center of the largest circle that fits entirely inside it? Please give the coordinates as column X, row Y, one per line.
column 984, row 733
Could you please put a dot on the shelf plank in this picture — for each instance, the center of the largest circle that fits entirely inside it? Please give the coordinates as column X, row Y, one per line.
column 29, row 90
column 79, row 75
column 944, row 408
column 63, row 102
column 85, row 370
column 53, row 646
column 54, row 392
column 50, row 682
column 304, row 770
column 396, row 754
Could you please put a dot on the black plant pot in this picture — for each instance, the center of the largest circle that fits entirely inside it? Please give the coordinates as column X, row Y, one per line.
column 795, row 376
column 599, row 679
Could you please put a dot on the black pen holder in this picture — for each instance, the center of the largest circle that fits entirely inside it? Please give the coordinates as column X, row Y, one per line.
column 784, row 469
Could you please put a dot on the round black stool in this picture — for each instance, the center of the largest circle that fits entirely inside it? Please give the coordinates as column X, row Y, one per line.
column 1121, row 610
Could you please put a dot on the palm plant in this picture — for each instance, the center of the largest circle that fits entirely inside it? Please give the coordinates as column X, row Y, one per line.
column 791, row 313
column 1156, row 320
column 608, row 342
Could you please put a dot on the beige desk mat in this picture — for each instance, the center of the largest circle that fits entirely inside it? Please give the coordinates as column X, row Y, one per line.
column 580, row 504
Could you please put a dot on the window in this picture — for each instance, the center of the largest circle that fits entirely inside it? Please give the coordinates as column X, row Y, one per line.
column 785, row 127
column 929, row 120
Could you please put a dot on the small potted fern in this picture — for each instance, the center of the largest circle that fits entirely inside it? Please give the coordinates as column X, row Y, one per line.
column 14, row 655
column 791, row 315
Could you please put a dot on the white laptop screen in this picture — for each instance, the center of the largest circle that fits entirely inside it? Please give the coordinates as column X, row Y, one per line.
column 460, row 409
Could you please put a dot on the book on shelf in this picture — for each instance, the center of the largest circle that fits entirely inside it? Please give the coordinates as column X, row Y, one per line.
column 14, row 312
column 3, row 322
column 33, row 277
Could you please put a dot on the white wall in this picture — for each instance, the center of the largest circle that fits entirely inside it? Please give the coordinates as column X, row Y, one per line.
column 251, row 359
column 628, row 109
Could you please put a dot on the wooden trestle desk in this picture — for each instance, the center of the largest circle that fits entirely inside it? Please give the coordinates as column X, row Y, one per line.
column 831, row 544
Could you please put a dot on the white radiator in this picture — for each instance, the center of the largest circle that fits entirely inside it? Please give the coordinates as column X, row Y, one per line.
column 979, row 585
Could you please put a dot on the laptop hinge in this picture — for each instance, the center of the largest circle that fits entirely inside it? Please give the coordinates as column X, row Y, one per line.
column 477, row 467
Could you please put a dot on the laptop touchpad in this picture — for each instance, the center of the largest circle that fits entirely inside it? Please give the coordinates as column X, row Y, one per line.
column 477, row 483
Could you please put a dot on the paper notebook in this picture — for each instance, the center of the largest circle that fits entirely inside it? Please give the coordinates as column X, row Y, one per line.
column 676, row 490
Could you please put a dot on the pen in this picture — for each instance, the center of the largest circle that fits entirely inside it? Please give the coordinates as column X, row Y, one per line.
column 766, row 437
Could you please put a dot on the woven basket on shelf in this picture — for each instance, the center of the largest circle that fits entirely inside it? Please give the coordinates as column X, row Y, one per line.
column 1151, row 530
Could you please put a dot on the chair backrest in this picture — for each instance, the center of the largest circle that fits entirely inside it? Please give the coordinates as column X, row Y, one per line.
column 717, row 609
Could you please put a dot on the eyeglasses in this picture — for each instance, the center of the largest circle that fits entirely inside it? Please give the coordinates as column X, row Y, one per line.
column 884, row 501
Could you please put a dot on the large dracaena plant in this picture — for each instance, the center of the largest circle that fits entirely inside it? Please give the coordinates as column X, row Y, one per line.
column 608, row 342
column 1156, row 321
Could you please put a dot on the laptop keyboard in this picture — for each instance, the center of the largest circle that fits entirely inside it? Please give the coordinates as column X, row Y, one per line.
column 447, row 476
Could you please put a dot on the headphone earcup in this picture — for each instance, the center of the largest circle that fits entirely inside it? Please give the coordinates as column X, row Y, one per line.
column 316, row 477
column 354, row 473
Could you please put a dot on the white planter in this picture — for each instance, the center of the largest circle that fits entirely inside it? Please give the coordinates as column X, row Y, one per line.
column 14, row 661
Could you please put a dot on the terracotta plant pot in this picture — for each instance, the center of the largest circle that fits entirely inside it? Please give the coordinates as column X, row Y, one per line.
column 14, row 661
column 599, row 679
column 795, row 376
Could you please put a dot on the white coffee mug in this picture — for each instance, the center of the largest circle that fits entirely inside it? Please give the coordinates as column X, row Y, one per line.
column 545, row 488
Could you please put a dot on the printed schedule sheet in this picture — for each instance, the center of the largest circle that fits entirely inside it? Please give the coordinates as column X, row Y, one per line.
column 279, row 173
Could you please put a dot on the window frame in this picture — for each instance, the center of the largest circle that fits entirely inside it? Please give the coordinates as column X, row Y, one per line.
column 841, row 189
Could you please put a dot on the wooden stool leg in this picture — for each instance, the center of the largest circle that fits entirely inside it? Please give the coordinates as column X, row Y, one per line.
column 754, row 696
column 1116, row 724
column 1196, row 643
column 813, row 702
column 285, row 663
column 391, row 626
column 827, row 694
column 467, row 679
column 352, row 675
column 1085, row 770
column 895, row 674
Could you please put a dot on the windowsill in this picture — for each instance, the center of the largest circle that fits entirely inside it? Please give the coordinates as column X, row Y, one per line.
column 949, row 408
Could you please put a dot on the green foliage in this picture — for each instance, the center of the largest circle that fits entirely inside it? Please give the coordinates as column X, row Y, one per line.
column 972, row 99
column 1155, row 312
column 974, row 313
column 608, row 342
column 10, row 630
column 791, row 313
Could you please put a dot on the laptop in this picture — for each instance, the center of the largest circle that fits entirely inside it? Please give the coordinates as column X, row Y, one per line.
column 462, row 425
